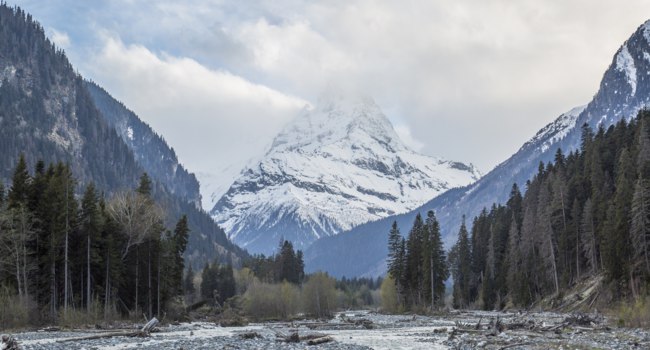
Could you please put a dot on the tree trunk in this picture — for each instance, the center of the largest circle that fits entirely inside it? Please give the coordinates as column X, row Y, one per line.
column 107, row 286
column 88, row 297
column 53, row 296
column 18, row 273
column 137, row 276
column 158, row 286
column 24, row 250
column 65, row 268
column 557, row 285
column 150, row 299
column 577, row 254
column 433, row 291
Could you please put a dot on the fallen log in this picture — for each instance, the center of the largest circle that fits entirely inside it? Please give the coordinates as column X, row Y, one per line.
column 308, row 337
column 321, row 340
column 9, row 343
column 514, row 345
column 249, row 335
column 141, row 333
column 149, row 326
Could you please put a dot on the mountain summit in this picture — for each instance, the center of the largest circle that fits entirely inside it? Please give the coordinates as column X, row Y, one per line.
column 337, row 165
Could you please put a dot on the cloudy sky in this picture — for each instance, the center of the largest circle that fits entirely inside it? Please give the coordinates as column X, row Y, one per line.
column 467, row 80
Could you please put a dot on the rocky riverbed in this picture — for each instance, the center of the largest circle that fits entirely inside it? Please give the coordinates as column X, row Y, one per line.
column 369, row 330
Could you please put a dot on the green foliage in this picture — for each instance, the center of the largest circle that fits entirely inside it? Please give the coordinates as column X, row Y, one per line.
column 286, row 265
column 460, row 260
column 218, row 283
column 389, row 296
column 418, row 264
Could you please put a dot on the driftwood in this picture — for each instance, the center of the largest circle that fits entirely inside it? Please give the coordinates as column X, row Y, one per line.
column 249, row 335
column 321, row 340
column 295, row 337
column 514, row 345
column 9, row 343
column 145, row 331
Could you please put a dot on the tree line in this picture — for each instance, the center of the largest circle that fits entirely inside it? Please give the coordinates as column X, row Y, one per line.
column 584, row 214
column 64, row 254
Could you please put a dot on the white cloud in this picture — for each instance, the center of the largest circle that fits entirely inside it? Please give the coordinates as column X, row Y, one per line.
column 211, row 117
column 60, row 39
column 471, row 79
column 404, row 132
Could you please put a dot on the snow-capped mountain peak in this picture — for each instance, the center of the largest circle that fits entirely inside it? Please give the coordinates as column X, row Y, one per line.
column 336, row 119
column 337, row 165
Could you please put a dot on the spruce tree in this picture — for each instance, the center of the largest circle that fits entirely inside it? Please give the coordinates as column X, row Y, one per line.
column 460, row 260
column 414, row 268
column 395, row 263
column 439, row 271
column 640, row 225
column 90, row 220
column 179, row 244
column 144, row 187
column 20, row 185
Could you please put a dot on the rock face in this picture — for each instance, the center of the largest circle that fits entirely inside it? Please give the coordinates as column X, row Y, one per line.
column 336, row 166
column 624, row 90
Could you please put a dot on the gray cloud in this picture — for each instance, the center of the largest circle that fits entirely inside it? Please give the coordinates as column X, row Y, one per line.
column 468, row 80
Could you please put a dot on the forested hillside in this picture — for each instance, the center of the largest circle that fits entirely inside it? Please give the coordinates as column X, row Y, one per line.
column 49, row 112
column 584, row 214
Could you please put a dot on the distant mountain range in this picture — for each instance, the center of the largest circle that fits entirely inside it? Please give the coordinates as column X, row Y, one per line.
column 49, row 112
column 336, row 166
column 624, row 89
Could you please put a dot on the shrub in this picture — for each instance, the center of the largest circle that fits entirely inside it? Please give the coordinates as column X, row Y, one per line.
column 319, row 295
column 389, row 302
column 14, row 311
column 635, row 314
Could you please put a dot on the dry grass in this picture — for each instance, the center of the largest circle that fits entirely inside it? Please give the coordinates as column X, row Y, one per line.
column 634, row 314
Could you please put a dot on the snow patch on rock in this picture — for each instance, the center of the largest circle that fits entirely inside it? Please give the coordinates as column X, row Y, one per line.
column 625, row 63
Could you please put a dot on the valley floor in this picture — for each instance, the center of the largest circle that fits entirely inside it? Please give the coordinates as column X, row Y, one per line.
column 368, row 330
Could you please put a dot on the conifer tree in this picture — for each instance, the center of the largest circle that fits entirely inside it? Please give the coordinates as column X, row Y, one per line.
column 20, row 185
column 461, row 268
column 179, row 244
column 90, row 220
column 439, row 271
column 414, row 268
column 395, row 256
column 640, row 225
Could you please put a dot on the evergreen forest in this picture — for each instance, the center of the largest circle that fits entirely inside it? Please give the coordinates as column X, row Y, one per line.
column 583, row 215
column 63, row 256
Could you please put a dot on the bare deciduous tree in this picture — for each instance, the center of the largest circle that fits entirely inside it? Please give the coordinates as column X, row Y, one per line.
column 137, row 215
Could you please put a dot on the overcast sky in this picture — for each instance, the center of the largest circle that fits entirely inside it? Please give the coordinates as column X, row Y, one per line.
column 467, row 80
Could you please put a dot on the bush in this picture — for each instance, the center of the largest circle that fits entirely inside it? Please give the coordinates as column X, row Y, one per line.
column 79, row 317
column 14, row 311
column 389, row 302
column 243, row 279
column 319, row 295
column 635, row 314
column 263, row 301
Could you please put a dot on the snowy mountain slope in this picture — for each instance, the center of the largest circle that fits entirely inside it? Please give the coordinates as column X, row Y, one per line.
column 334, row 167
column 624, row 89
